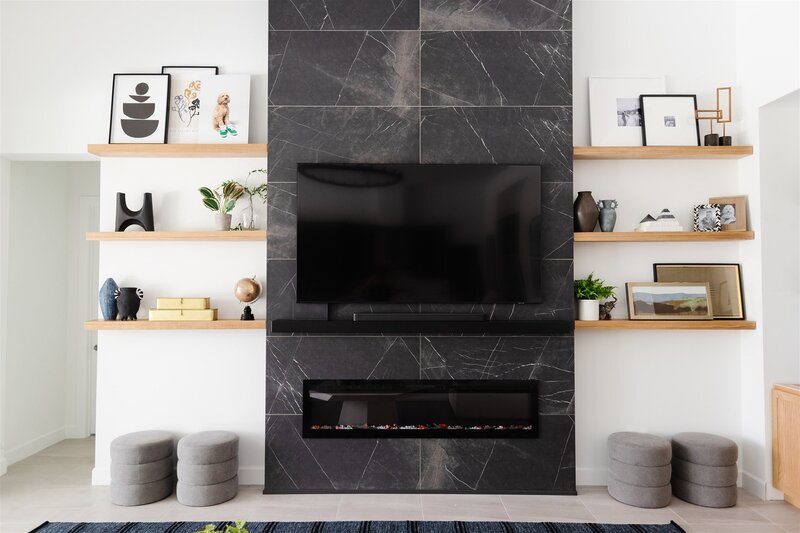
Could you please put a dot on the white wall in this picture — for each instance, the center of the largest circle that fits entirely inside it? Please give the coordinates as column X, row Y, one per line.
column 5, row 181
column 58, row 59
column 38, row 302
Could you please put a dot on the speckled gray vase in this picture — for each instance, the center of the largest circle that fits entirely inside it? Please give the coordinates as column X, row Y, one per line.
column 608, row 214
column 108, row 300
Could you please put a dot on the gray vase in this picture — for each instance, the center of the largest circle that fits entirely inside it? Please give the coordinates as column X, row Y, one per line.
column 107, row 299
column 608, row 214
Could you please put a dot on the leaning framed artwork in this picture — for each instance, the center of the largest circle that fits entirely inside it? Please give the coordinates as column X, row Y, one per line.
column 615, row 117
column 707, row 217
column 669, row 301
column 228, row 105
column 724, row 280
column 185, row 101
column 139, row 109
column 732, row 212
column 669, row 120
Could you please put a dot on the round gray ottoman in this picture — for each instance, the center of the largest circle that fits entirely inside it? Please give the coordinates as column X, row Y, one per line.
column 208, row 465
column 704, row 470
column 141, row 468
column 639, row 470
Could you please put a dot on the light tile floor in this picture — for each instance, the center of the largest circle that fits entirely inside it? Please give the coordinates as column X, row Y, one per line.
column 56, row 485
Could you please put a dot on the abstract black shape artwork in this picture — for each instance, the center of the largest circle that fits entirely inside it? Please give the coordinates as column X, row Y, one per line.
column 139, row 107
column 127, row 217
column 138, row 125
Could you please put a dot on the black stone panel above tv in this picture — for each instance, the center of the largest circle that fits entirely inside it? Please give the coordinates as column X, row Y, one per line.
column 339, row 15
column 496, row 15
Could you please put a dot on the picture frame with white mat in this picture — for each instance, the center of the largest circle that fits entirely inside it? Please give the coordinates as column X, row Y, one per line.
column 614, row 108
column 227, row 120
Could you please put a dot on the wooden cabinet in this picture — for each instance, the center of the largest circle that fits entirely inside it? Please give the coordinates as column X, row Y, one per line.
column 786, row 441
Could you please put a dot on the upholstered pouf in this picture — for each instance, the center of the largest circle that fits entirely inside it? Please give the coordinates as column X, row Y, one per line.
column 704, row 469
column 141, row 467
column 639, row 470
column 208, row 464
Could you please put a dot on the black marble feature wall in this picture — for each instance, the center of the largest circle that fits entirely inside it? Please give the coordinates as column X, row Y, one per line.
column 420, row 81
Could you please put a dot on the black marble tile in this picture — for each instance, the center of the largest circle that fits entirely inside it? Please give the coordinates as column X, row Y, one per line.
column 558, row 298
column 282, row 221
column 344, row 68
column 337, row 464
column 340, row 134
column 293, row 359
column 496, row 68
column 503, row 465
column 523, row 135
column 346, row 311
column 282, row 293
column 557, row 226
column 496, row 14
column 344, row 15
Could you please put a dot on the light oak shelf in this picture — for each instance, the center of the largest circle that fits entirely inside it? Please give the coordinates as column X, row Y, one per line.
column 178, row 150
column 256, row 235
column 661, row 152
column 666, row 236
column 666, row 324
column 130, row 325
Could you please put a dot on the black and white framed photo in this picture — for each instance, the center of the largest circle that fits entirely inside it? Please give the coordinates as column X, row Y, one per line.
column 732, row 212
column 186, row 105
column 724, row 279
column 669, row 120
column 707, row 217
column 615, row 117
column 139, row 109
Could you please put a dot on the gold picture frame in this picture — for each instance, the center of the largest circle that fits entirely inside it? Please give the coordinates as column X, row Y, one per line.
column 731, row 206
column 724, row 280
column 648, row 300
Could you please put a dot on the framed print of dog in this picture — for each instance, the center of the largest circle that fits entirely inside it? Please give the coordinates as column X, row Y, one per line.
column 228, row 117
column 139, row 109
column 707, row 217
column 186, row 105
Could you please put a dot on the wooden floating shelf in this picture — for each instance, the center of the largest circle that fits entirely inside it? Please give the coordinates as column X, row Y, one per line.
column 124, row 325
column 666, row 236
column 176, row 236
column 666, row 324
column 661, row 152
column 178, row 150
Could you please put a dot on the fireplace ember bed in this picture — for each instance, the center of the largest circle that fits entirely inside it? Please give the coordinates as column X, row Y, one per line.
column 419, row 409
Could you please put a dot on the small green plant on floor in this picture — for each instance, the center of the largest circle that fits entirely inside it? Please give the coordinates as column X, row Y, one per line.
column 237, row 528
column 592, row 289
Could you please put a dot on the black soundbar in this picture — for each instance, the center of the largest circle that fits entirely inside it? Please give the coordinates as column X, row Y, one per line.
column 465, row 327
column 418, row 317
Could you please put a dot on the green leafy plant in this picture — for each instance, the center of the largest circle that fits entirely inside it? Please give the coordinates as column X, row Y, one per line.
column 592, row 289
column 237, row 528
column 223, row 198
column 259, row 191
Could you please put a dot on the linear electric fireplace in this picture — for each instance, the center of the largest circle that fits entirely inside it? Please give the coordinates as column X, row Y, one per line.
column 419, row 409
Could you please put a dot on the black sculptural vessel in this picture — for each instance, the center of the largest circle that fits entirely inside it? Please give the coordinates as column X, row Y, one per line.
column 143, row 217
column 248, row 314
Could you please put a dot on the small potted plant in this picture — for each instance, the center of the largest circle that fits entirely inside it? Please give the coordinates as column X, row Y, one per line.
column 589, row 292
column 222, row 200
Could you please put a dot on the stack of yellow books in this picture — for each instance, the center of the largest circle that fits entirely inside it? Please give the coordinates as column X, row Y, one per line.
column 183, row 309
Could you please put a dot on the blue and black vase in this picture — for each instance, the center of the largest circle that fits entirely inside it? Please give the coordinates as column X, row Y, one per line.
column 108, row 299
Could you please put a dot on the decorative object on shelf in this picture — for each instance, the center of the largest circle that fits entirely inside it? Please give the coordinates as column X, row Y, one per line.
column 183, row 309
column 711, row 115
column 669, row 120
column 732, row 212
column 222, row 200
column 128, row 301
column 666, row 221
column 669, row 301
column 108, row 299
column 589, row 292
column 249, row 216
column 607, row 307
column 586, row 212
column 608, row 214
column 126, row 217
column 228, row 120
column 247, row 291
column 707, row 217
column 614, row 108
column 185, row 102
column 183, row 303
column 139, row 104
column 724, row 279
column 725, row 106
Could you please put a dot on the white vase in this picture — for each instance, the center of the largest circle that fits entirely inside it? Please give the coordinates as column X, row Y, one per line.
column 588, row 309
column 223, row 221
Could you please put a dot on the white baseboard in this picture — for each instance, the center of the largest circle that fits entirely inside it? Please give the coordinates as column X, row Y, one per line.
column 72, row 431
column 33, row 446
column 252, row 475
column 3, row 464
column 591, row 476
column 754, row 486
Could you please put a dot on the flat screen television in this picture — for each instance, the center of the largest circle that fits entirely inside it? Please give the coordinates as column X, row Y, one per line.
column 416, row 234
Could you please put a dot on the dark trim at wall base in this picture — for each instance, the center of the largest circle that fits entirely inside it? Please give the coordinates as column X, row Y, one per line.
column 489, row 327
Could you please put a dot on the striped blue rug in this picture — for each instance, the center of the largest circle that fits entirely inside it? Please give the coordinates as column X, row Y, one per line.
column 359, row 527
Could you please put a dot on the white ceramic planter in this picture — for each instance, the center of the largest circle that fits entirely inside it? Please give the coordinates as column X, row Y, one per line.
column 223, row 221
column 588, row 309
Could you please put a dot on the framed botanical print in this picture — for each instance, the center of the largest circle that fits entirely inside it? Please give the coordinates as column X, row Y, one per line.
column 615, row 117
column 669, row 301
column 186, row 104
column 669, row 120
column 139, row 109
column 707, row 217
column 732, row 212
column 724, row 280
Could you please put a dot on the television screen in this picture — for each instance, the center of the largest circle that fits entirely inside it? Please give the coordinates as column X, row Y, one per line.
column 418, row 233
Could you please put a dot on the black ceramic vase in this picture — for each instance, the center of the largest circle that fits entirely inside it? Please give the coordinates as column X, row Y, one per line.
column 586, row 212
column 128, row 301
